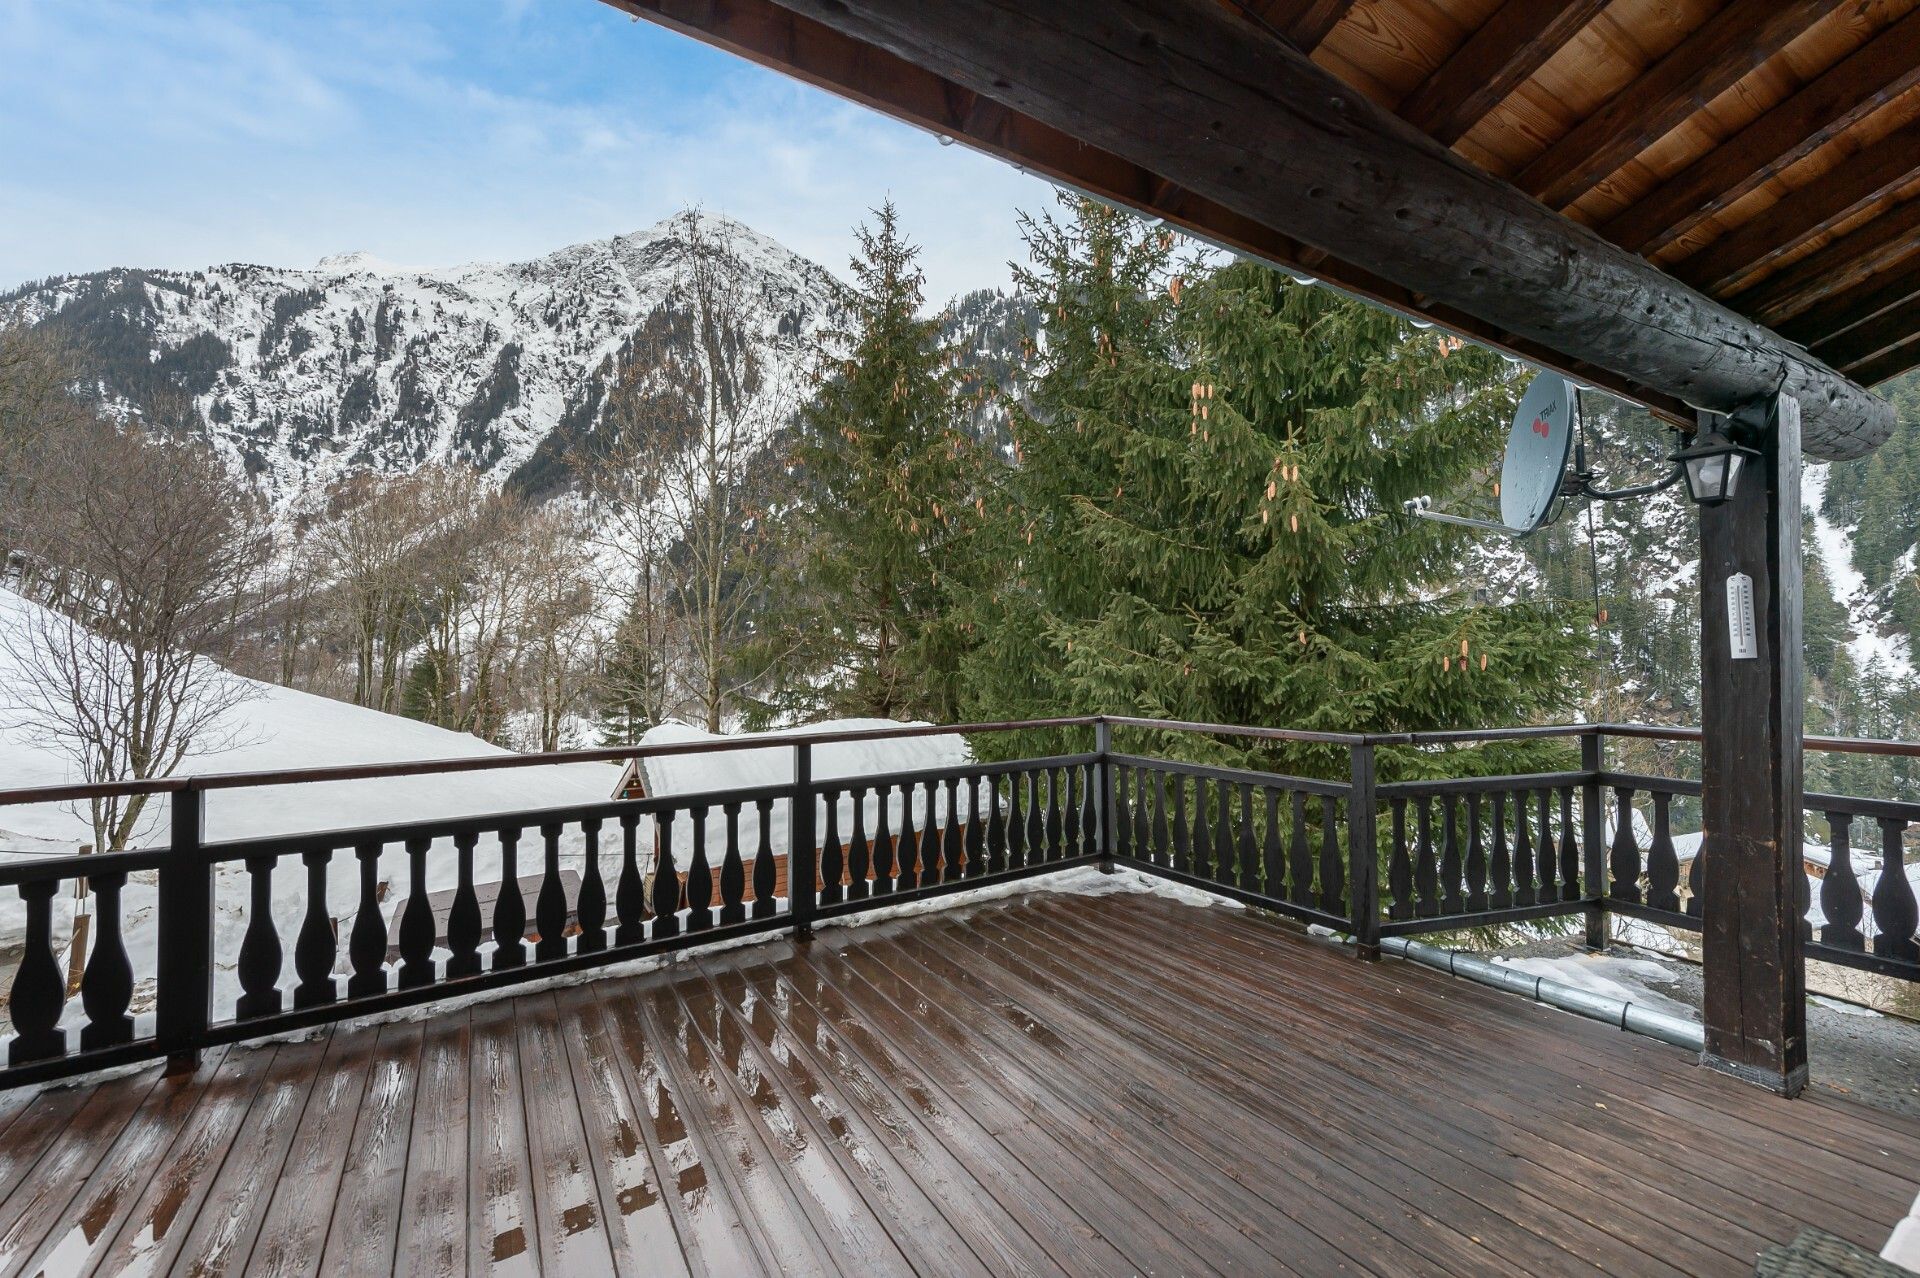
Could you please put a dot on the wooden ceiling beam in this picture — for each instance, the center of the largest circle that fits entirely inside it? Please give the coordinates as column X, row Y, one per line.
column 1805, row 212
column 1902, row 358
column 1709, row 61
column 1179, row 89
column 1495, row 60
column 1859, row 83
column 1863, row 342
column 1897, row 285
column 764, row 33
column 1302, row 23
column 1833, row 267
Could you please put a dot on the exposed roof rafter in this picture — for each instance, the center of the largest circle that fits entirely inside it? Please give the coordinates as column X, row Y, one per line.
column 1709, row 61
column 1494, row 61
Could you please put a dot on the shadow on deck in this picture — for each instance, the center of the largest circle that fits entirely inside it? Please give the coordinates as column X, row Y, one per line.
column 1054, row 1082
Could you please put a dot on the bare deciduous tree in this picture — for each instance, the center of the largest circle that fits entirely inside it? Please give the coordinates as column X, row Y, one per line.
column 149, row 554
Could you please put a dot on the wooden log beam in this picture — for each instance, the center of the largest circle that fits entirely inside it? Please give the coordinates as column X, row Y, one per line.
column 762, row 32
column 1494, row 61
column 1709, row 61
column 1751, row 772
column 1805, row 212
column 1177, row 88
column 1858, row 84
column 1302, row 23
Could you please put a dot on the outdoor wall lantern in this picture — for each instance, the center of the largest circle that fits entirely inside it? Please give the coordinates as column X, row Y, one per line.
column 1712, row 465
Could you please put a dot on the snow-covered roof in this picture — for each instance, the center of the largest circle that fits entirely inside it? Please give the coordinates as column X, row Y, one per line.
column 772, row 765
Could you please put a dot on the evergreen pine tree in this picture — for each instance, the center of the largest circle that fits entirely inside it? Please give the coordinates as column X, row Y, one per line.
column 1204, row 518
column 630, row 680
column 894, row 479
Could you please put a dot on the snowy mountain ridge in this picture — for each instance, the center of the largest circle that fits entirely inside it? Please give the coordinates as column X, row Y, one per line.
column 303, row 376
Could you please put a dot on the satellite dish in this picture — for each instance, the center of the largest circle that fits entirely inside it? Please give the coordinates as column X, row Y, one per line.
column 1537, row 449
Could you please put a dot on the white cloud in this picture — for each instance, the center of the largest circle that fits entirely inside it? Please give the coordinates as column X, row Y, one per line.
column 184, row 134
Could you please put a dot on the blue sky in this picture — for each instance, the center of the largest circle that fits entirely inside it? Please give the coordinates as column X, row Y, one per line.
column 183, row 133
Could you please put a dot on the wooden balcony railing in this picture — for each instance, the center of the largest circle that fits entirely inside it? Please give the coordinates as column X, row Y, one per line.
column 1366, row 858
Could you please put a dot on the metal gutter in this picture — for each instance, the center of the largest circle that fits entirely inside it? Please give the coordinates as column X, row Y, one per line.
column 1616, row 1012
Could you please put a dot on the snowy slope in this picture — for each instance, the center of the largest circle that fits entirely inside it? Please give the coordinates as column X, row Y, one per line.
column 286, row 729
column 301, row 376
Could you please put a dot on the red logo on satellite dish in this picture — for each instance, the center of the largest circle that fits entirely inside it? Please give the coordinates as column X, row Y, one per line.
column 1541, row 428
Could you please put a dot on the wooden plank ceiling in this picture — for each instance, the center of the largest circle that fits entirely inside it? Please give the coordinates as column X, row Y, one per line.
column 1763, row 152
column 1766, row 152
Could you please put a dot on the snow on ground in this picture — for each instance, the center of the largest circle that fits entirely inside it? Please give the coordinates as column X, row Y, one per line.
column 1850, row 588
column 1628, row 980
column 287, row 729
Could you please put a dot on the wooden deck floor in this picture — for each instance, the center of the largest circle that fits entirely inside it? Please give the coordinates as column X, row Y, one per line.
column 1094, row 1085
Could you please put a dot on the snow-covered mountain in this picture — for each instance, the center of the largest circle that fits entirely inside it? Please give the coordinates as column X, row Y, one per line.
column 301, row 376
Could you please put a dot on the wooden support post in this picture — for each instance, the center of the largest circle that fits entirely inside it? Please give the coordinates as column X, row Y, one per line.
column 1750, row 859
column 1593, row 839
column 1103, row 746
column 803, row 846
column 183, row 975
column 1363, row 854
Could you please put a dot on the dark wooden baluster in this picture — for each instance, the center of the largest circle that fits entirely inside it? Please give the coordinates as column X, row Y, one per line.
column 1202, row 845
column 1451, row 901
column 417, row 927
column 1426, row 861
column 1840, row 898
column 733, row 871
column 700, row 874
column 550, row 906
column 1162, row 833
column 509, row 910
column 1016, row 823
column 976, row 830
column 1663, row 863
column 1037, row 815
column 1273, row 866
column 1124, row 818
column 1142, row 846
column 463, row 918
column 906, row 870
column 1055, row 841
column 39, row 988
column 931, row 833
column 1569, row 845
column 996, row 826
column 1476, row 858
column 1500, row 865
column 1894, row 912
column 766, row 875
column 859, row 850
column 1400, row 863
column 106, row 989
column 367, row 942
column 666, row 883
column 1225, row 841
column 315, row 948
column 1623, row 859
column 1180, row 851
column 953, row 846
column 1546, row 859
column 1299, row 856
column 630, row 893
column 1249, row 865
column 1333, row 867
column 1069, row 797
column 883, row 842
column 1523, row 865
column 591, row 909
column 1090, row 815
column 1694, row 871
column 260, row 946
column 833, row 863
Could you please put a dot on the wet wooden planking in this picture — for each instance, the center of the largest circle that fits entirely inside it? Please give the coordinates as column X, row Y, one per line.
column 1045, row 1084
